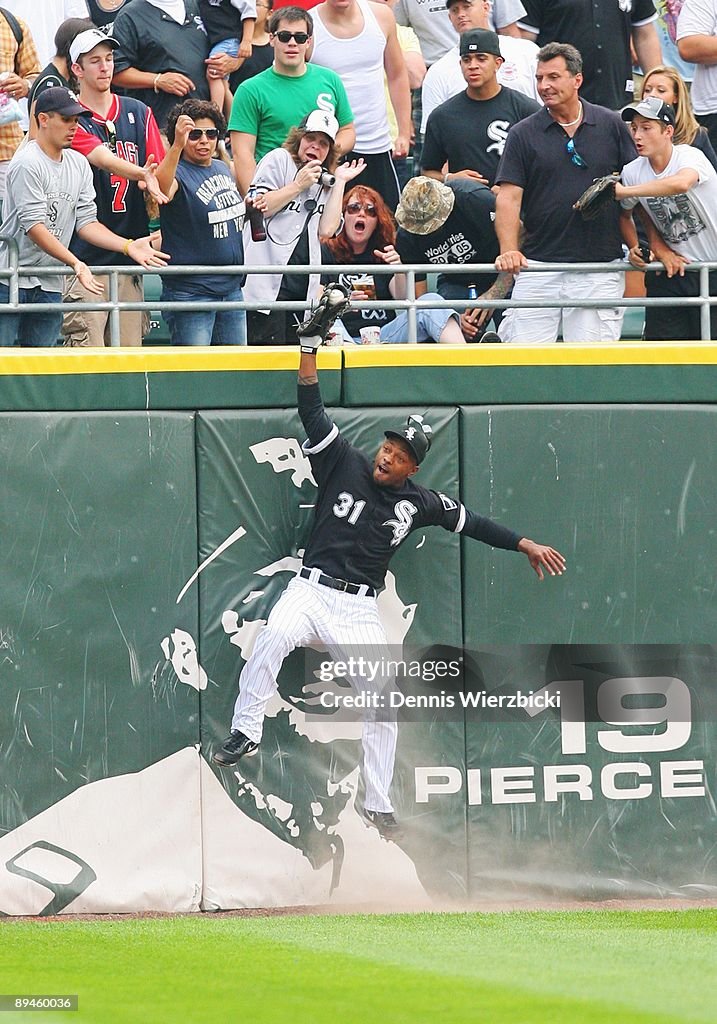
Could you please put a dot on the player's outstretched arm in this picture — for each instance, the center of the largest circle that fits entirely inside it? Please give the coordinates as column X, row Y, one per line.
column 307, row 367
column 542, row 557
column 316, row 423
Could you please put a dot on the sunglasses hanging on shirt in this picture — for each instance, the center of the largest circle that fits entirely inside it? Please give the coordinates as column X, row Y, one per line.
column 574, row 155
column 111, row 135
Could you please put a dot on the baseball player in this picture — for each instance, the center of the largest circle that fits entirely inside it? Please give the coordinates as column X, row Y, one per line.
column 364, row 511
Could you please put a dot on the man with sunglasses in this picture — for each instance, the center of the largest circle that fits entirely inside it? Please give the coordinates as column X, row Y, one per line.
column 120, row 138
column 550, row 158
column 268, row 105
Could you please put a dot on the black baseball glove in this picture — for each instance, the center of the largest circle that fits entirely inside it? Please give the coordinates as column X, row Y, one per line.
column 595, row 198
column 321, row 317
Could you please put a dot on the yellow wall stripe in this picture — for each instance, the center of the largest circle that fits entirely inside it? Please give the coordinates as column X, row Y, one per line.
column 173, row 360
column 698, row 353
column 170, row 360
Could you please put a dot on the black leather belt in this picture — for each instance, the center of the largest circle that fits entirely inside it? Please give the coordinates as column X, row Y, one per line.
column 343, row 585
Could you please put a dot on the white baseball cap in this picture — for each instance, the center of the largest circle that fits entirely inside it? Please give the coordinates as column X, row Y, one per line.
column 87, row 41
column 321, row 121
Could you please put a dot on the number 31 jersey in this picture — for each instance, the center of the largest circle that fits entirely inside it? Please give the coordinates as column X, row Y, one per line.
column 358, row 524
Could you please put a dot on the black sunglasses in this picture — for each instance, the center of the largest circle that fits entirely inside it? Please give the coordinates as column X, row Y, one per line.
column 196, row 134
column 574, row 155
column 368, row 208
column 285, row 37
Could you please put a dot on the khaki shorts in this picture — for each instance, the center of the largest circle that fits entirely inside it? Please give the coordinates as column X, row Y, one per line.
column 91, row 328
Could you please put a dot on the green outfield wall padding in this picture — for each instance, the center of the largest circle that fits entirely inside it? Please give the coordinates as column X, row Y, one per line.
column 626, row 493
column 357, row 376
column 99, row 525
column 77, row 379
column 570, row 751
column 577, row 800
column 539, row 374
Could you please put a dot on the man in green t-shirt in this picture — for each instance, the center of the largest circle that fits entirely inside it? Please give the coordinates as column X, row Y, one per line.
column 268, row 105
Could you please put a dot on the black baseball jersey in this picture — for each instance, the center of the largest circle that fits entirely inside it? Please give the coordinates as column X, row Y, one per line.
column 360, row 525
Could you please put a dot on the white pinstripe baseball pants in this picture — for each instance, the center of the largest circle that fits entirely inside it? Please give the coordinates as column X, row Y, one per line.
column 308, row 613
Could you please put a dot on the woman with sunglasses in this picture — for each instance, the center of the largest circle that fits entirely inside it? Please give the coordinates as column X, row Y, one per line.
column 201, row 224
column 300, row 200
column 368, row 236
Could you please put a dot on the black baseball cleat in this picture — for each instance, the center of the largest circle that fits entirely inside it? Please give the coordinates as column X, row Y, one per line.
column 234, row 748
column 333, row 303
column 384, row 822
column 489, row 338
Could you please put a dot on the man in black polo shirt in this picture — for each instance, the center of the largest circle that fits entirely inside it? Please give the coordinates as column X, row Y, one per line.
column 602, row 31
column 468, row 131
column 550, row 158
column 162, row 51
column 452, row 223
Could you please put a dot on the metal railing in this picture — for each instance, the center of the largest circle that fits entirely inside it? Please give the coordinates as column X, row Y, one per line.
column 411, row 271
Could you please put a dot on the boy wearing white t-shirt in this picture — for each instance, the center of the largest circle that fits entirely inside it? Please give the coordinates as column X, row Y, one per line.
column 676, row 186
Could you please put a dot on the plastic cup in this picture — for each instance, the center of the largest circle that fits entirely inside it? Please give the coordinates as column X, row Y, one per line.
column 370, row 335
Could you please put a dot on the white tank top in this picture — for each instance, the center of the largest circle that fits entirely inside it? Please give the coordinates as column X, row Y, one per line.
column 359, row 63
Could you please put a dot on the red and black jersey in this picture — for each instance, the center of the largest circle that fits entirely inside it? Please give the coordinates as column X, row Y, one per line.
column 130, row 132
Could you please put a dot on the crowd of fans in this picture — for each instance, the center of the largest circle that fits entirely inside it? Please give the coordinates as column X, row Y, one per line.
column 233, row 133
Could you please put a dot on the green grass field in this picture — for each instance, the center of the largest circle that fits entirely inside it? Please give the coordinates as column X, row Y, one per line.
column 520, row 967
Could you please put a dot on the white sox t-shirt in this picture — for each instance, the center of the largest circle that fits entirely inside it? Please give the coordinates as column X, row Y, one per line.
column 444, row 79
column 284, row 229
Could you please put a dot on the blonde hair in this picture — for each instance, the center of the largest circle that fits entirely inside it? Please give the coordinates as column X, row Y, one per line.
column 686, row 124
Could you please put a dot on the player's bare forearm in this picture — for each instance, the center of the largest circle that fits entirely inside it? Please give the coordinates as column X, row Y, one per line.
column 307, row 369
column 541, row 556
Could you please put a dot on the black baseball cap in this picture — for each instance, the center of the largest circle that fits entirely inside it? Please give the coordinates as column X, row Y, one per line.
column 58, row 100
column 652, row 108
column 479, row 40
column 416, row 434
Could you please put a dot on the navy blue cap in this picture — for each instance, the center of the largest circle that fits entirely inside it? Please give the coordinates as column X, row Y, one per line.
column 58, row 100
column 417, row 436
